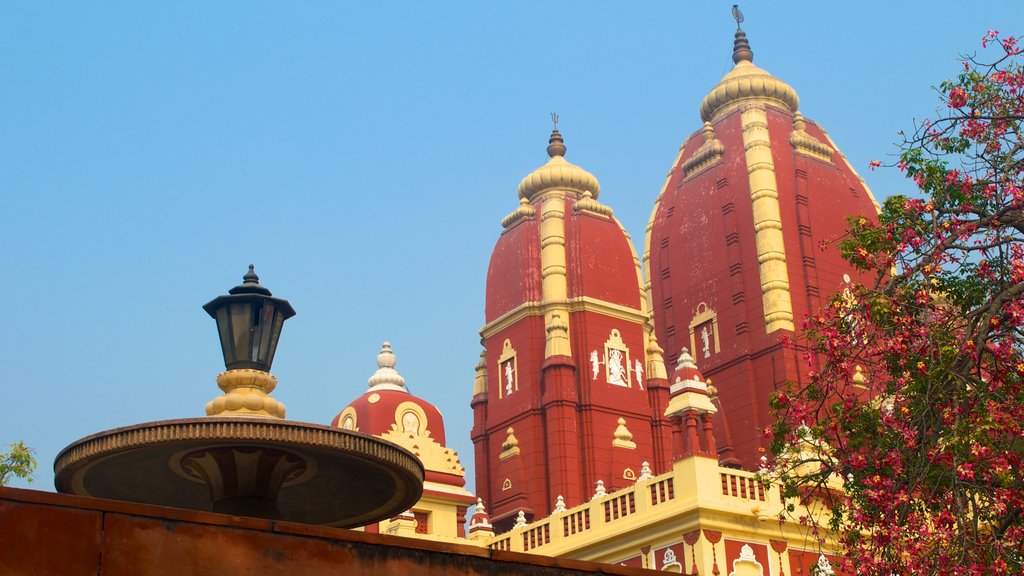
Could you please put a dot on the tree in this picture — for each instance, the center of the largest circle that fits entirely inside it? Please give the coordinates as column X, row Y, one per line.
column 914, row 404
column 19, row 462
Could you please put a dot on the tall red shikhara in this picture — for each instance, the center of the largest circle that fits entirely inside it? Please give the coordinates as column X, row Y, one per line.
column 734, row 250
column 571, row 388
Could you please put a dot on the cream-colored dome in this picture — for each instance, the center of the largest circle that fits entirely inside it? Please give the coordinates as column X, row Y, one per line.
column 746, row 83
column 558, row 173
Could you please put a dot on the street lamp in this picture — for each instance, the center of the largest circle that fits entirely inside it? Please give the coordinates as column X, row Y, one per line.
column 249, row 322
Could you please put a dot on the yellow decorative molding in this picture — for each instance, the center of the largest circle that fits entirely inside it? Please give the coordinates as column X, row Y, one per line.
column 508, row 370
column 589, row 205
column 657, row 510
column 709, row 152
column 525, row 210
column 689, row 401
column 480, row 376
column 246, row 393
column 744, row 84
column 764, row 195
column 402, row 525
column 554, row 287
column 577, row 304
column 557, row 343
column 858, row 378
column 348, row 420
column 558, row 174
column 806, row 144
column 655, row 359
column 510, row 447
column 623, row 438
column 411, row 430
column 411, row 420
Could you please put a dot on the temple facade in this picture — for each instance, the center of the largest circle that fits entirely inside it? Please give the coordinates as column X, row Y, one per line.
column 571, row 388
column 740, row 244
column 591, row 441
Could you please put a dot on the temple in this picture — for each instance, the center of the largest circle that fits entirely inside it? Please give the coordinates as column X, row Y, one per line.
column 733, row 252
column 618, row 403
column 620, row 420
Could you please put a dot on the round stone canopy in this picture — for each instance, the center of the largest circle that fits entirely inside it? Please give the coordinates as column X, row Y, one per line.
column 321, row 475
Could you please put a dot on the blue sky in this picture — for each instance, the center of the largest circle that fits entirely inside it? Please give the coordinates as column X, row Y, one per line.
column 362, row 157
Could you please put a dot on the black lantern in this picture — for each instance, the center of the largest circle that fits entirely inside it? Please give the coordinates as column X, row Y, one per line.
column 249, row 321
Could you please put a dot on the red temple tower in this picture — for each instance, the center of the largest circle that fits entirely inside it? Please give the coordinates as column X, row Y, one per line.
column 571, row 387
column 733, row 254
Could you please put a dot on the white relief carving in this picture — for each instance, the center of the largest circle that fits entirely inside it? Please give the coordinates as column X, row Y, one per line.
column 600, row 491
column 824, row 566
column 747, row 563
column 669, row 559
column 595, row 363
column 638, row 370
column 616, row 372
column 645, row 471
column 520, row 519
column 559, row 505
column 508, row 378
column 508, row 370
column 617, row 363
column 410, row 423
column 705, row 339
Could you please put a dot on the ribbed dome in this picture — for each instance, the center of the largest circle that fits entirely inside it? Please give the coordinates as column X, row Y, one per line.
column 558, row 173
column 387, row 405
column 747, row 82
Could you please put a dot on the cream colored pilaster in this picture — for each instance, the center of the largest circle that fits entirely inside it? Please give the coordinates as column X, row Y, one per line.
column 553, row 280
column 480, row 377
column 764, row 194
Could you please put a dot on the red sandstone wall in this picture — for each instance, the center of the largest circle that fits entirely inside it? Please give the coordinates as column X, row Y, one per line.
column 45, row 534
column 703, row 250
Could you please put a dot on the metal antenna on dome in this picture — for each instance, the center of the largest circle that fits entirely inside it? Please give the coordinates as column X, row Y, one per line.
column 737, row 15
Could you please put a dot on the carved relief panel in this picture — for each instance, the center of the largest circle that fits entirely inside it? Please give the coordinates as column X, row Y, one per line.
column 704, row 339
column 508, row 370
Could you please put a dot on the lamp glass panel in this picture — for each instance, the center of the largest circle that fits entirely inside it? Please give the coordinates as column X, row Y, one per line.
column 224, row 331
column 275, row 335
column 241, row 326
column 266, row 321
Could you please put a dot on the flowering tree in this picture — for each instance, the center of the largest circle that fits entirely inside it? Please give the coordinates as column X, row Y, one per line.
column 910, row 426
column 17, row 463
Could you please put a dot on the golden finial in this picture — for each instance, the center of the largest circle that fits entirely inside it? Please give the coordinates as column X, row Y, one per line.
column 741, row 51
column 556, row 146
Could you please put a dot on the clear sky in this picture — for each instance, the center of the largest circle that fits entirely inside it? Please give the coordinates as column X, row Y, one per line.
column 361, row 155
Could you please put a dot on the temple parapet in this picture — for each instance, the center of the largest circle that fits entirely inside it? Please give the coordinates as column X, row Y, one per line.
column 676, row 521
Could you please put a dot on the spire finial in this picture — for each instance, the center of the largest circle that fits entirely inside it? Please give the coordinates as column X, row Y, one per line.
column 741, row 51
column 250, row 284
column 386, row 377
column 556, row 146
